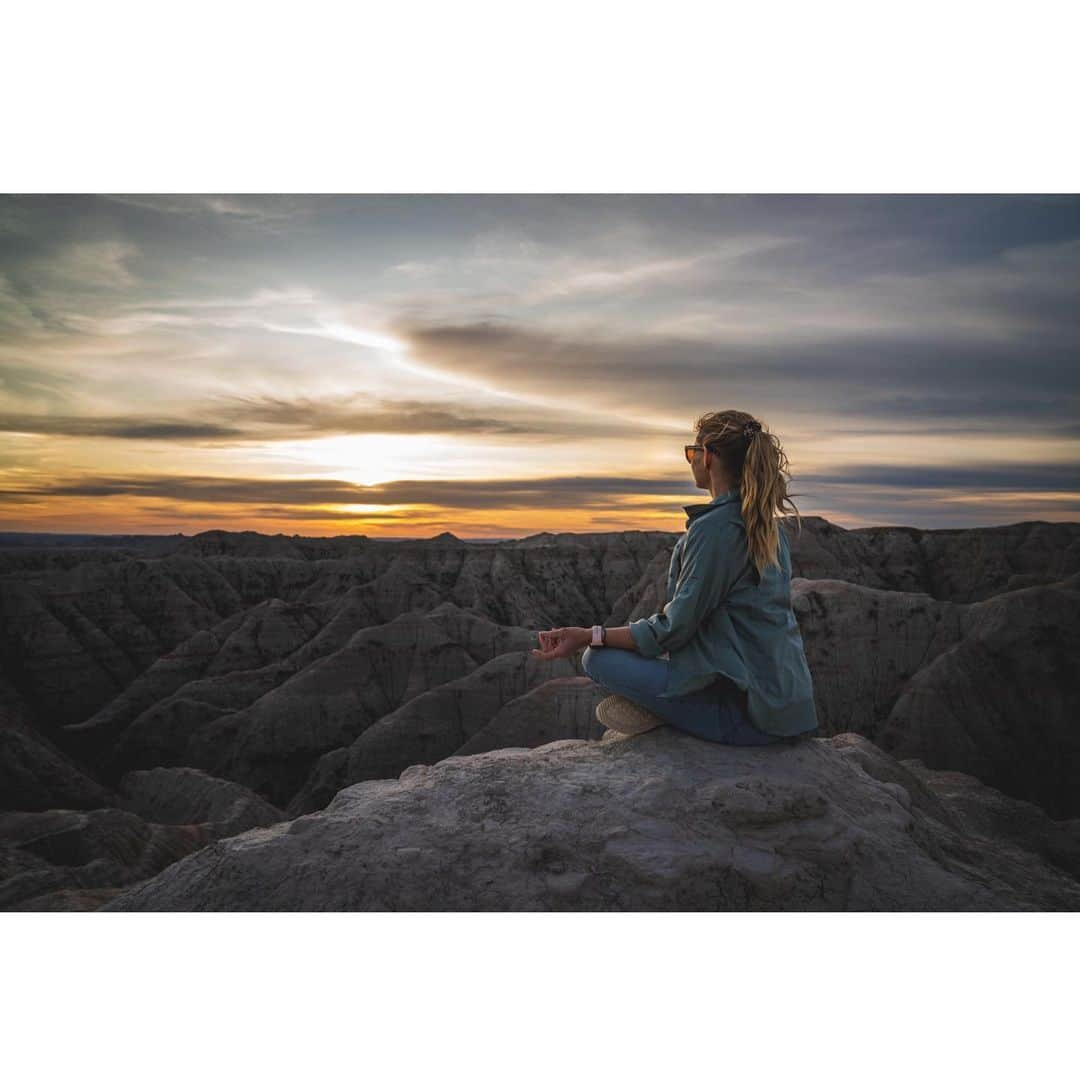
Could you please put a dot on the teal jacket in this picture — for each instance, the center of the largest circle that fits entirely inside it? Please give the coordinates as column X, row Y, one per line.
column 722, row 618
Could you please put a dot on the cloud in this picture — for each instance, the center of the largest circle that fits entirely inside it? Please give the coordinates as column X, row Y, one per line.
column 266, row 418
column 1026, row 477
column 217, row 319
column 883, row 483
column 37, row 385
column 263, row 210
column 501, row 494
column 112, row 427
column 815, row 378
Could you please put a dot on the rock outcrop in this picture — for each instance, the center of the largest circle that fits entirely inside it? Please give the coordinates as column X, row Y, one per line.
column 191, row 797
column 36, row 775
column 559, row 708
column 661, row 821
column 962, row 565
column 991, row 688
column 72, row 859
column 1002, row 704
column 69, row 860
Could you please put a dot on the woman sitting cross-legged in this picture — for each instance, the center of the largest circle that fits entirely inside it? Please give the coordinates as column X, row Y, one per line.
column 736, row 669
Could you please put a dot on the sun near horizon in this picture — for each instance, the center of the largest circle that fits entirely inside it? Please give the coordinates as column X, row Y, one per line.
column 499, row 366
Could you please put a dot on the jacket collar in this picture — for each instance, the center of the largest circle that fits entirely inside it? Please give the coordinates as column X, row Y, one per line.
column 694, row 510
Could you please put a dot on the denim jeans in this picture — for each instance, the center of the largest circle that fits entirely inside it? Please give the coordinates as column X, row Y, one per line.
column 717, row 713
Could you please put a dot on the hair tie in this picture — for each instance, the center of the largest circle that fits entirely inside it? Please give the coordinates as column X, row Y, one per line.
column 751, row 429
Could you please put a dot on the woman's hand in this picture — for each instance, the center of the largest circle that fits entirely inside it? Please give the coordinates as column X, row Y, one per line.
column 561, row 643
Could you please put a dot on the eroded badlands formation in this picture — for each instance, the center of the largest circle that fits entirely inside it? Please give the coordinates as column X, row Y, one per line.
column 159, row 698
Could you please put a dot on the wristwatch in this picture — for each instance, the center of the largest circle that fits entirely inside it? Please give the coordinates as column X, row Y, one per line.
column 599, row 636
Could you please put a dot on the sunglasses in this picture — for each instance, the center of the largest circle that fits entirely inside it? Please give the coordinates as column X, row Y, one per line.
column 690, row 450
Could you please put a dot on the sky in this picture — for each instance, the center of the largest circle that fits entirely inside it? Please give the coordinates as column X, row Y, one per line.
column 501, row 365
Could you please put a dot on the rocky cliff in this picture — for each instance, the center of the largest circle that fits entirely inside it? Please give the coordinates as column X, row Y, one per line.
column 655, row 822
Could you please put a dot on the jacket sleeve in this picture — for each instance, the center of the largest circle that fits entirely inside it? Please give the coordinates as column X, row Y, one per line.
column 706, row 576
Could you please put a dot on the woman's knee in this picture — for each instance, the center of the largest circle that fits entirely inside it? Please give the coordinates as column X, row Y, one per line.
column 592, row 662
column 588, row 660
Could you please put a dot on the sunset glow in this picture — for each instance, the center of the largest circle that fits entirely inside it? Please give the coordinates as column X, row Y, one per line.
column 504, row 365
